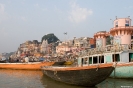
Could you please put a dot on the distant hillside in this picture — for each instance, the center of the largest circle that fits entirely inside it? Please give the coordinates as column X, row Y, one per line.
column 50, row 38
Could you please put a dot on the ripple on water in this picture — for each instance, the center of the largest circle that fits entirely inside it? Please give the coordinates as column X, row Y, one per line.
column 36, row 79
column 20, row 79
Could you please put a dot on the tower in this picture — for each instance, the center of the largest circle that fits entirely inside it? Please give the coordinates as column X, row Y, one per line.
column 100, row 38
column 122, row 31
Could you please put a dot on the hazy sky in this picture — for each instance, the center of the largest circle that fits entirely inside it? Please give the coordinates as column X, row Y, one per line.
column 22, row 20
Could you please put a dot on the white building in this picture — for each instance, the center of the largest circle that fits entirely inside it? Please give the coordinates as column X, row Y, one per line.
column 44, row 46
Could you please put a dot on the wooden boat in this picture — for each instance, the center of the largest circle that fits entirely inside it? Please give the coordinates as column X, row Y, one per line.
column 68, row 62
column 25, row 66
column 58, row 63
column 3, row 61
column 80, row 75
column 123, row 70
column 122, row 55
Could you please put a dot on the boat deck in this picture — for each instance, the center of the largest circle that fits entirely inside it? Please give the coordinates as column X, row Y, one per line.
column 78, row 67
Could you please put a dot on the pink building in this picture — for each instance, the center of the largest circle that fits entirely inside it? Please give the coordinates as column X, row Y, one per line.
column 100, row 38
column 63, row 48
column 122, row 31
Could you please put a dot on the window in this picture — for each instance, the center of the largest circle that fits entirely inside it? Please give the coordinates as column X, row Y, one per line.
column 95, row 60
column 130, row 57
column 126, row 23
column 116, row 57
column 101, row 59
column 116, row 24
column 90, row 60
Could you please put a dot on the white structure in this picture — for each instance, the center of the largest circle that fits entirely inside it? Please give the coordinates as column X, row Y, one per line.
column 44, row 46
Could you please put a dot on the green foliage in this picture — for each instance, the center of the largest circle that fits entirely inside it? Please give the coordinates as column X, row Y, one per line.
column 108, row 40
column 51, row 38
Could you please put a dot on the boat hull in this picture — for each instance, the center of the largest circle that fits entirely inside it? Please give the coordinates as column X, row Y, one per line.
column 25, row 66
column 124, row 70
column 4, row 61
column 82, row 76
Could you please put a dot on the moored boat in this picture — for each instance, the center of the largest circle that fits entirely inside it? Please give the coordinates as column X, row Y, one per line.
column 25, row 66
column 58, row 63
column 123, row 70
column 3, row 61
column 79, row 75
column 122, row 55
column 68, row 62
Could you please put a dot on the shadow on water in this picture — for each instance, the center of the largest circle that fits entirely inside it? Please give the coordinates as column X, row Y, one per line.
column 50, row 83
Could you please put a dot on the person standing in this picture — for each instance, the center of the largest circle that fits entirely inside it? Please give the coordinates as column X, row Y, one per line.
column 26, row 59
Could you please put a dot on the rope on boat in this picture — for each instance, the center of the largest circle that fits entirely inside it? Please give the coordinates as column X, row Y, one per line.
column 55, row 72
column 114, row 64
column 97, row 67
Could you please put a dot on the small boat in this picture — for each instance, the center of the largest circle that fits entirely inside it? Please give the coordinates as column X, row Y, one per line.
column 80, row 75
column 25, row 66
column 58, row 63
column 2, row 61
column 68, row 62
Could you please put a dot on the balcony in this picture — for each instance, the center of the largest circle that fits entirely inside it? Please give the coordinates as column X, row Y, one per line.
column 129, row 29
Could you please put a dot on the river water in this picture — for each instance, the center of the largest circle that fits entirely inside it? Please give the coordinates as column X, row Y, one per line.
column 36, row 79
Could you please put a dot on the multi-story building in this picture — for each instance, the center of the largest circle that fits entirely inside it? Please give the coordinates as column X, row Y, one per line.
column 81, row 42
column 29, row 47
column 75, row 45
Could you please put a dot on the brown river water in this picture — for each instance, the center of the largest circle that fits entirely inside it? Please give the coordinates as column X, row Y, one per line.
column 36, row 79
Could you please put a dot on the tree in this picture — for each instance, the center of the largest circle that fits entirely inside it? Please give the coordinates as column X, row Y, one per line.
column 108, row 40
column 51, row 38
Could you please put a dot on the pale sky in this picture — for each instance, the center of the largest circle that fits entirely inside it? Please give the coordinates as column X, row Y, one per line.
column 22, row 20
